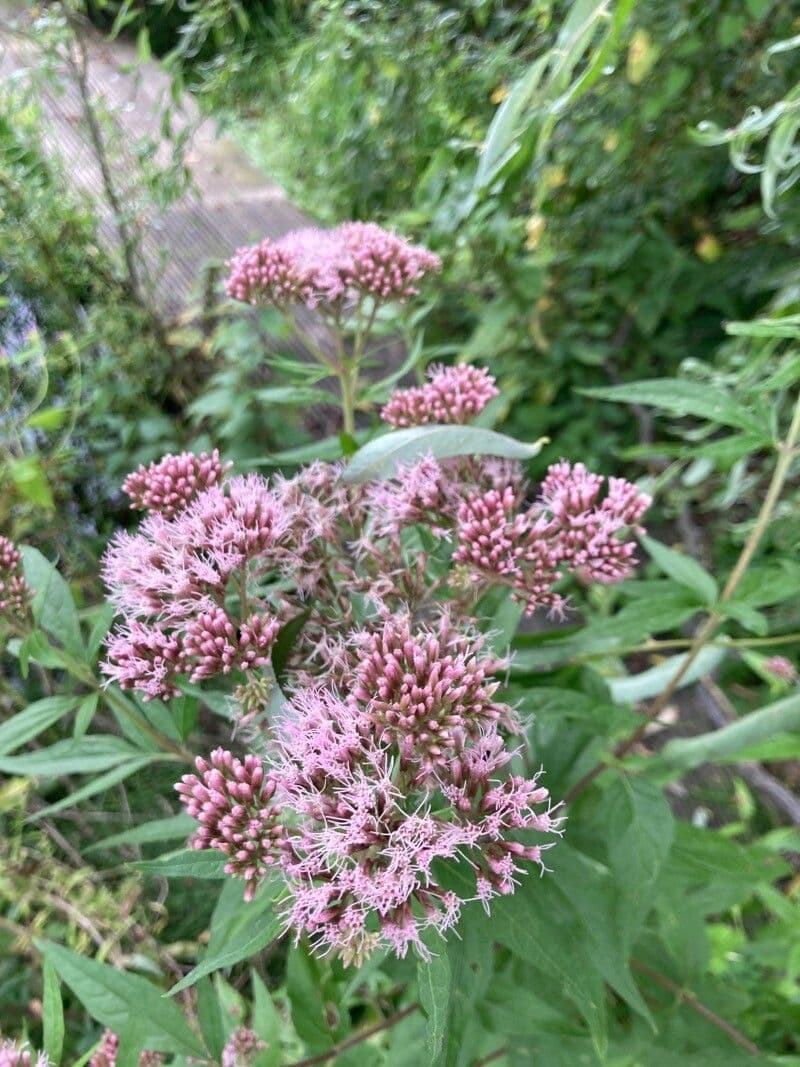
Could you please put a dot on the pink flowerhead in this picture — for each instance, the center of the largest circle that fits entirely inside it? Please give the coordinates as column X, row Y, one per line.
column 15, row 593
column 497, row 542
column 425, row 690
column 241, row 1048
column 174, row 568
column 359, row 857
column 170, row 484
column 782, row 668
column 13, row 1054
column 589, row 532
column 313, row 266
column 108, row 1049
column 380, row 264
column 426, row 492
column 233, row 801
column 451, row 395
column 145, row 658
column 213, row 645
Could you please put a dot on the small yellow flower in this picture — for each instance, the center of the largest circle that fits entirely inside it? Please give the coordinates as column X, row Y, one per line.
column 642, row 56
column 534, row 229
column 709, row 248
column 553, row 177
column 500, row 93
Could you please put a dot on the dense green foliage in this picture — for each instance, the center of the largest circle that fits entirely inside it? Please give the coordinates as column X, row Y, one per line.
column 612, row 190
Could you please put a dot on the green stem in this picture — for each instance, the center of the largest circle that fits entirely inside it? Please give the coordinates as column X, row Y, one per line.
column 140, row 722
column 787, row 450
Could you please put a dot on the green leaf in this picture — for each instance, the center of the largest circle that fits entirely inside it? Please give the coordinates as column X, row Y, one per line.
column 434, row 981
column 307, row 999
column 97, row 785
column 209, row 1014
column 109, row 994
column 682, row 569
column 267, row 1022
column 252, row 931
column 681, row 754
column 640, row 828
column 381, row 456
column 34, row 720
column 53, row 607
column 169, row 829
column 82, row 756
column 188, row 863
column 86, row 712
column 653, row 681
column 683, row 399
column 52, row 1014
column 30, row 480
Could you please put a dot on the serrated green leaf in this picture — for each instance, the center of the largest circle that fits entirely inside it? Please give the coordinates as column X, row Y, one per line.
column 53, row 607
column 83, row 755
column 108, row 994
column 682, row 569
column 381, row 456
column 684, row 399
column 169, row 829
column 188, row 863
column 640, row 831
column 257, row 925
column 34, row 720
column 209, row 1015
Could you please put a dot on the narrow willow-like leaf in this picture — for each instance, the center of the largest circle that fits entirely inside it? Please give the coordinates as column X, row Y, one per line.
column 682, row 399
column 109, row 995
column 682, row 569
column 434, row 982
column 172, row 828
column 34, row 720
column 381, row 456
column 683, row 753
column 189, row 863
column 52, row 1014
column 257, row 927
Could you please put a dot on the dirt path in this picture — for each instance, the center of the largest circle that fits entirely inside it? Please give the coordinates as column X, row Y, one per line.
column 230, row 202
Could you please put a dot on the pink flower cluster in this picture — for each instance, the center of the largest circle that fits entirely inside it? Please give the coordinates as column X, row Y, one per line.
column 13, row 1054
column 232, row 800
column 567, row 527
column 174, row 481
column 170, row 582
column 106, row 1053
column 336, row 267
column 451, row 394
column 15, row 593
column 369, row 790
column 241, row 1048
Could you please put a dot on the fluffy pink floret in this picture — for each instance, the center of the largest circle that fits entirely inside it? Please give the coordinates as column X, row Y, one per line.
column 451, row 395
column 241, row 1048
column 360, row 861
column 233, row 800
column 214, row 645
column 13, row 1054
column 312, row 266
column 170, row 484
column 145, row 658
column 426, row 689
